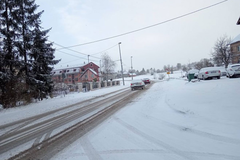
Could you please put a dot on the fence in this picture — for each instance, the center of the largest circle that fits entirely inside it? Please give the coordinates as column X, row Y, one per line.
column 82, row 87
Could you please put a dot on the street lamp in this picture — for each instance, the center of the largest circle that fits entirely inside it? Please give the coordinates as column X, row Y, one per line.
column 121, row 62
column 131, row 68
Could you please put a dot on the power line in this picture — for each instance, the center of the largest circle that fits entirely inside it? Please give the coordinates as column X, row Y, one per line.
column 74, row 55
column 154, row 25
column 70, row 61
column 104, row 50
column 74, row 50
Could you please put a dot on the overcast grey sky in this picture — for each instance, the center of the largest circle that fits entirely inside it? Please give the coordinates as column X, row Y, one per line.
column 183, row 40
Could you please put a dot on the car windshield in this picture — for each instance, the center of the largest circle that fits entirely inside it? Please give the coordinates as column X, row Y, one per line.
column 235, row 67
column 137, row 80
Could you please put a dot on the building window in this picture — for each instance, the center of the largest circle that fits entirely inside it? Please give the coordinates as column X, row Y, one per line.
column 85, row 76
column 238, row 48
column 92, row 75
column 76, row 79
column 69, row 80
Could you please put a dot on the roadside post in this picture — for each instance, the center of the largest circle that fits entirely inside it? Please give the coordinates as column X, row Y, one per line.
column 168, row 74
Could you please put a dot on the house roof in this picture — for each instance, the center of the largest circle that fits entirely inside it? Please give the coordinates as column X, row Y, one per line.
column 236, row 39
column 66, row 70
column 93, row 71
column 89, row 70
column 73, row 66
column 70, row 69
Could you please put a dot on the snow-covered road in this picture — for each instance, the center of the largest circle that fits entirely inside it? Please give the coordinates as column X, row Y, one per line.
column 174, row 119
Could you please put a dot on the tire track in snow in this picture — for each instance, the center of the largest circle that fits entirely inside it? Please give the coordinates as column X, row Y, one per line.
column 198, row 132
column 176, row 110
column 154, row 140
column 155, row 151
column 159, row 151
column 88, row 148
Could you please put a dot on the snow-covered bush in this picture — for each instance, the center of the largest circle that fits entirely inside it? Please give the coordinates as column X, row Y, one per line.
column 161, row 76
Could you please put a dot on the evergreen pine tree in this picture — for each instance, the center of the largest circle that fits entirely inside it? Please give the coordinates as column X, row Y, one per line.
column 36, row 53
column 42, row 61
column 25, row 56
column 8, row 54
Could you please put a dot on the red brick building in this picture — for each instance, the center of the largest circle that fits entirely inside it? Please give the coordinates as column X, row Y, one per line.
column 235, row 49
column 73, row 75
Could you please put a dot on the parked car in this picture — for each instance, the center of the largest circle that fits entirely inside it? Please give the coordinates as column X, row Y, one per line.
column 209, row 72
column 233, row 70
column 137, row 84
column 223, row 71
column 146, row 80
column 193, row 71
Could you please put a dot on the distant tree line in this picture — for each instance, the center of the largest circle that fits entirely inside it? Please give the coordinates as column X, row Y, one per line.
column 220, row 56
column 26, row 57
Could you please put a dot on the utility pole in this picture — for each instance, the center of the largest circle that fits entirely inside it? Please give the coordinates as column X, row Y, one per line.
column 131, row 68
column 100, row 74
column 121, row 62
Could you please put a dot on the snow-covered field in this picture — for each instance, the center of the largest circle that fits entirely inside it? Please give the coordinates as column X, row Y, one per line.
column 174, row 119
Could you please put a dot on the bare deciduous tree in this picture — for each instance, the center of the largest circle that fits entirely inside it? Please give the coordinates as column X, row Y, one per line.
column 108, row 66
column 179, row 66
column 222, row 54
column 203, row 63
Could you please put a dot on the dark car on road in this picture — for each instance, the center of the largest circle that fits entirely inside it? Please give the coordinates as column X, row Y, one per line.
column 146, row 80
column 137, row 84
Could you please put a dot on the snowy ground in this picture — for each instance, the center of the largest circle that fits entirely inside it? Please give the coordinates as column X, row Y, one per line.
column 174, row 119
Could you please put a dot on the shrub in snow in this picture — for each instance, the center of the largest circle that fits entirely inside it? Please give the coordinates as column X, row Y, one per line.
column 161, row 76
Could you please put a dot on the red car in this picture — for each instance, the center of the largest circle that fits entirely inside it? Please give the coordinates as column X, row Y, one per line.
column 146, row 80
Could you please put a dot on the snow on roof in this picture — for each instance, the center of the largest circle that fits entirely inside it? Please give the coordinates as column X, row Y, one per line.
column 57, row 72
column 69, row 67
column 236, row 39
column 92, row 71
column 67, row 71
column 72, row 70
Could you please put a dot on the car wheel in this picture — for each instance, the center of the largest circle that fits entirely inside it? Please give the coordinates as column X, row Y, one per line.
column 218, row 77
column 132, row 89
